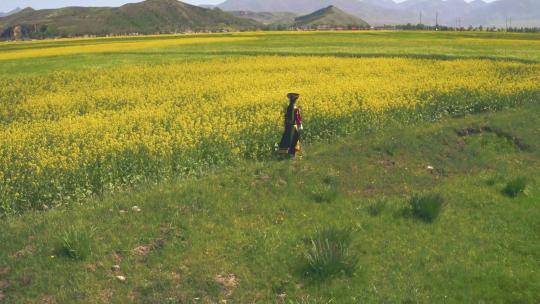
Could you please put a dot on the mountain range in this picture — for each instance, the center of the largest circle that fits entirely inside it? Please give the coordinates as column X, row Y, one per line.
column 374, row 14
column 520, row 13
column 147, row 17
column 18, row 9
column 166, row 16
column 267, row 18
column 379, row 12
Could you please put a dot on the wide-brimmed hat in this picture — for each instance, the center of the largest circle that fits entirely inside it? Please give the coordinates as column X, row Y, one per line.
column 293, row 96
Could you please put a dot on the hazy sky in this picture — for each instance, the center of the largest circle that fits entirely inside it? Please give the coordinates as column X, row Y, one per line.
column 7, row 5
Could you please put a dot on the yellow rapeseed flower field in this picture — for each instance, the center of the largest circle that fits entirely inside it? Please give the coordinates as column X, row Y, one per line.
column 113, row 46
column 69, row 134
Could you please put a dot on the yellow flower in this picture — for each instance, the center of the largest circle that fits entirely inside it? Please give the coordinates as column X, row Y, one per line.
column 95, row 129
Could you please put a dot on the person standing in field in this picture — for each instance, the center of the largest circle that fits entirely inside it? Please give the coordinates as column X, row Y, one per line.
column 290, row 142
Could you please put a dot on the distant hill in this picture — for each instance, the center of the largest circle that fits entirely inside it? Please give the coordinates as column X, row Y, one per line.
column 379, row 12
column 330, row 16
column 449, row 11
column 266, row 17
column 296, row 6
column 367, row 10
column 147, row 17
column 18, row 9
column 383, row 3
column 523, row 13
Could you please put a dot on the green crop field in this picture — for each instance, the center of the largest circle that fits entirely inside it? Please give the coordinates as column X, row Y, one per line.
column 140, row 169
column 447, row 45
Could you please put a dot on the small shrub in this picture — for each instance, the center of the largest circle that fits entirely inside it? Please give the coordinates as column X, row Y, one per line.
column 376, row 208
column 426, row 207
column 328, row 255
column 515, row 187
column 76, row 244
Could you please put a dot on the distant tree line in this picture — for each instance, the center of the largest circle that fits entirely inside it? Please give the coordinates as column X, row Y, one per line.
column 409, row 27
column 524, row 29
column 424, row 27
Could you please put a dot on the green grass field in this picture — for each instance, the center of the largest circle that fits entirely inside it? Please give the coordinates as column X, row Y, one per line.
column 415, row 211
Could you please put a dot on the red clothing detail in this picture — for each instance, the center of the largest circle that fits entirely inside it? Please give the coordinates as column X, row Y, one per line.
column 297, row 117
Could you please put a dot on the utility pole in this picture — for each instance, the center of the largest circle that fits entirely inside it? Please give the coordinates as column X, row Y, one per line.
column 437, row 21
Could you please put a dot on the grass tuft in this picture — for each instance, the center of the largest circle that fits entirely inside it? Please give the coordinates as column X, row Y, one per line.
column 376, row 208
column 515, row 187
column 325, row 193
column 311, row 300
column 76, row 244
column 426, row 207
column 328, row 254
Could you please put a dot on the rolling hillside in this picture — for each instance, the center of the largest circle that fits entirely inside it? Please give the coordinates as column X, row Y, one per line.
column 330, row 16
column 148, row 17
